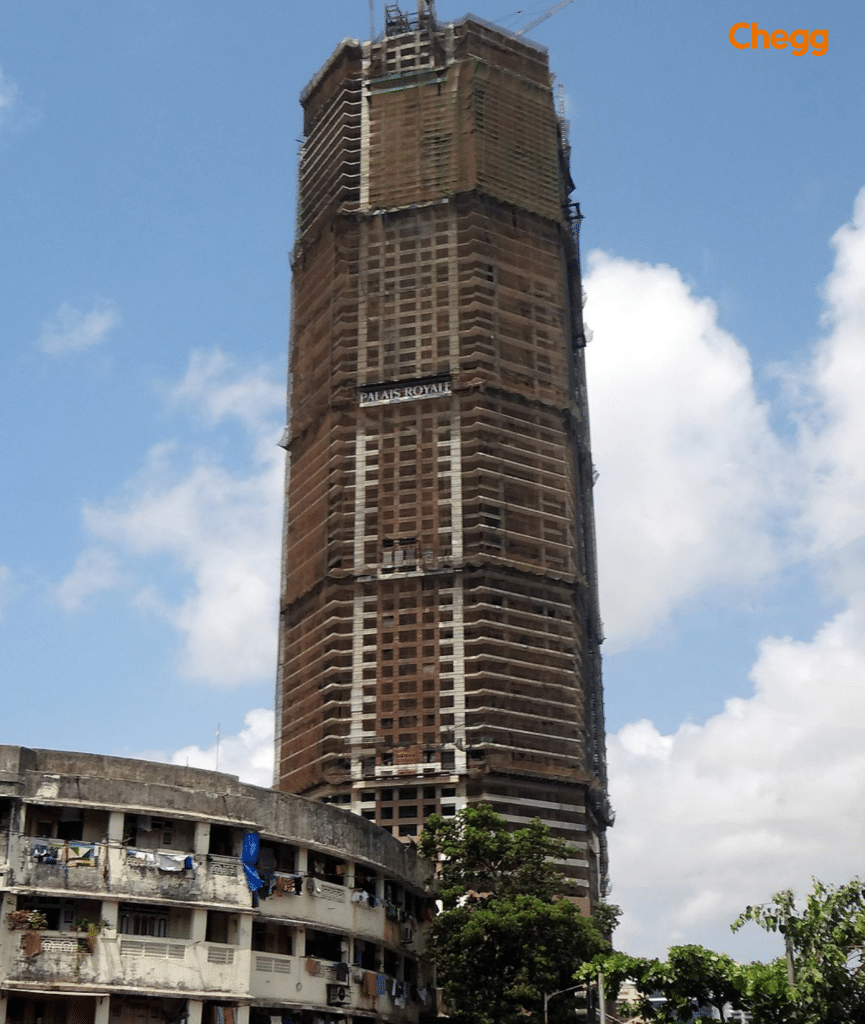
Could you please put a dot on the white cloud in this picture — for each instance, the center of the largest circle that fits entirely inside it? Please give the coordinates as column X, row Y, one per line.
column 769, row 793
column 5, row 587
column 689, row 468
column 71, row 330
column 213, row 385
column 833, row 439
column 8, row 99
column 95, row 569
column 761, row 797
column 249, row 754
column 218, row 530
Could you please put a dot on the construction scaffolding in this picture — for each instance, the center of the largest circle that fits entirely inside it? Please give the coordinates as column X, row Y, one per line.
column 440, row 630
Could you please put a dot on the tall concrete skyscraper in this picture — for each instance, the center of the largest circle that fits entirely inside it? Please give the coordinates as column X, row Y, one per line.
column 440, row 631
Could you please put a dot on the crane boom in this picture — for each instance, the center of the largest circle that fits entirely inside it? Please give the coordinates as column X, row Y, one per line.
column 543, row 17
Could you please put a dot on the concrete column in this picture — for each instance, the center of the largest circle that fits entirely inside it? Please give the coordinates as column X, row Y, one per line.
column 198, row 929
column 244, row 931
column 103, row 1010
column 366, row 98
column 114, row 850
column 193, row 1011
column 2, row 1008
column 115, row 826
column 201, row 842
column 241, row 1014
column 109, row 912
column 302, row 860
column 459, row 663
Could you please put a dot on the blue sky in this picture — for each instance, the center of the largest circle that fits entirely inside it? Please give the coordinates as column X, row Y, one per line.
column 148, row 155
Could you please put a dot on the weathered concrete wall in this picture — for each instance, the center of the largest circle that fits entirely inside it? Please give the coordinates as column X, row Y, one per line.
column 165, row 927
column 69, row 779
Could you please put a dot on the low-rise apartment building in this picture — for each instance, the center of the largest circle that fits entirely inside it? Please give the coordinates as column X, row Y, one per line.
column 140, row 893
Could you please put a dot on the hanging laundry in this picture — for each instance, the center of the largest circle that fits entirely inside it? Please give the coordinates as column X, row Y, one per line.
column 143, row 858
column 170, row 861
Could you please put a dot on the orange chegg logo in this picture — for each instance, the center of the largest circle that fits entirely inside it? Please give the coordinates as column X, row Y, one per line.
column 801, row 41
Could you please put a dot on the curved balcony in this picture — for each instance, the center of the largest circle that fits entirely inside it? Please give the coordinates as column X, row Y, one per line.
column 48, row 960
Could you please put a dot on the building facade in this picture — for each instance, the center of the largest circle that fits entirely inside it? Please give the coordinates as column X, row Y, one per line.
column 126, row 897
column 440, row 633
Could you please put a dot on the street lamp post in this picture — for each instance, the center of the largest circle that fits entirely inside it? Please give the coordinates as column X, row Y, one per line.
column 549, row 995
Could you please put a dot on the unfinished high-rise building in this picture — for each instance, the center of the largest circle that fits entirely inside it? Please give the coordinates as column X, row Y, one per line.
column 439, row 641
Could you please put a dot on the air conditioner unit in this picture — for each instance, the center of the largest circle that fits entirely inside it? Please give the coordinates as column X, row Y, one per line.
column 337, row 995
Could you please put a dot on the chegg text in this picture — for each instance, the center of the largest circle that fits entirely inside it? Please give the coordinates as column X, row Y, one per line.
column 801, row 41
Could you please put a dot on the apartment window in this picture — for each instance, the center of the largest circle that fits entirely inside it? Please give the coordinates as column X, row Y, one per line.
column 140, row 920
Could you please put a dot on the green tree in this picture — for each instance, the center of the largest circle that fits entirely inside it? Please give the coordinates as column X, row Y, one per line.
column 691, row 978
column 505, row 937
column 821, row 980
column 824, row 943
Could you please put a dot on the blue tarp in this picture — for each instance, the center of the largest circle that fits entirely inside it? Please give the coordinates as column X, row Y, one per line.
column 249, row 858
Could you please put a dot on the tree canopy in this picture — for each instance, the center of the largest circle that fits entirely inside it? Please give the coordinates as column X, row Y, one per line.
column 505, row 936
column 820, row 980
column 824, row 941
column 692, row 979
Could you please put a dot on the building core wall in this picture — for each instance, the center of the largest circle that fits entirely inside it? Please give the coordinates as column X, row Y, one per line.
column 439, row 626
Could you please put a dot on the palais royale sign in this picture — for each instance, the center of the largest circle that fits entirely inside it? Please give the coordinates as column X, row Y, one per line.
column 406, row 391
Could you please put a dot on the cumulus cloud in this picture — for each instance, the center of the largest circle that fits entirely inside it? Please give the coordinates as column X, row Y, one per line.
column 218, row 530
column 833, row 435
column 249, row 754
column 8, row 99
column 213, row 385
column 72, row 330
column 95, row 569
column 768, row 793
column 5, row 587
column 761, row 797
column 690, row 471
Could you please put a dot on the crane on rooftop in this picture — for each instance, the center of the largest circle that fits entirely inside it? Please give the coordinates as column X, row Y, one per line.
column 543, row 17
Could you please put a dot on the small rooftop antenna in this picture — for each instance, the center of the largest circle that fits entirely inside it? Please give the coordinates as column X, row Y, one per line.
column 217, row 746
column 372, row 19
